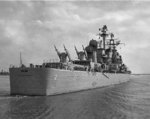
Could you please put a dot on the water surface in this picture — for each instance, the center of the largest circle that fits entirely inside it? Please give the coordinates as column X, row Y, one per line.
column 130, row 100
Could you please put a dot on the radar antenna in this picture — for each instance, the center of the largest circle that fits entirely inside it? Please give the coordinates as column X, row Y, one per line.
column 103, row 34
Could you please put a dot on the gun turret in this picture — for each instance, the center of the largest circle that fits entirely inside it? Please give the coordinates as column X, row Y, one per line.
column 67, row 53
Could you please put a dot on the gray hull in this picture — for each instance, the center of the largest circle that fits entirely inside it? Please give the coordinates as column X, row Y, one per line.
column 49, row 81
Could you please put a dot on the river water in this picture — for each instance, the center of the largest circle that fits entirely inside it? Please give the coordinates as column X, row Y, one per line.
column 130, row 100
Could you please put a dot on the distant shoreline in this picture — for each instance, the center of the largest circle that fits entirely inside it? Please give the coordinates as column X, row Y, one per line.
column 4, row 74
column 140, row 74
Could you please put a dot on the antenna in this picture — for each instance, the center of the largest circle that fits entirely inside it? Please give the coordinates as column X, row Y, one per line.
column 103, row 34
column 20, row 60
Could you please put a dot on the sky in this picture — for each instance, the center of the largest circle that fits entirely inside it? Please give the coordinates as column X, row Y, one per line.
column 33, row 27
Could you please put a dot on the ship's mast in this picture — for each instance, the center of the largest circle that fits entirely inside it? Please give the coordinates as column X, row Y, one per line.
column 103, row 34
column 20, row 60
column 112, row 42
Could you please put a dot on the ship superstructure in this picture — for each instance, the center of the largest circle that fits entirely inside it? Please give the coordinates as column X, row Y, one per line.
column 98, row 56
column 99, row 64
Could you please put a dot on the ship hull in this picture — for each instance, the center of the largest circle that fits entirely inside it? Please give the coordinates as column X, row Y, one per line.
column 50, row 81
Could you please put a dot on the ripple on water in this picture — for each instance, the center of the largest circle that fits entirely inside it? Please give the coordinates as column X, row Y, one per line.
column 127, row 100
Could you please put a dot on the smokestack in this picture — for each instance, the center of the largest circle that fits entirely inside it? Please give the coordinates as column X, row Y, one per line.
column 94, row 56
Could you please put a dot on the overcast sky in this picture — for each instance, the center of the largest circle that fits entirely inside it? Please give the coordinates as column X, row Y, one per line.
column 34, row 27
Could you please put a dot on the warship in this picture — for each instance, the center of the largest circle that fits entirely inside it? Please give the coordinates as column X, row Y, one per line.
column 98, row 65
